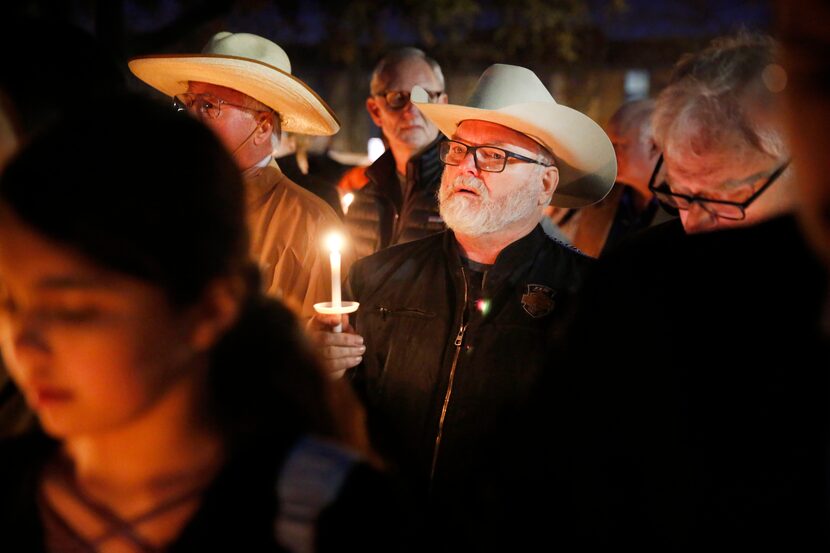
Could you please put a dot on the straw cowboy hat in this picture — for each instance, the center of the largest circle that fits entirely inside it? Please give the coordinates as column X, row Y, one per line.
column 250, row 64
column 515, row 97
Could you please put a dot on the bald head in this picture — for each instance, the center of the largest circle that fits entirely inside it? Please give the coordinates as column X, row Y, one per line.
column 390, row 63
column 630, row 132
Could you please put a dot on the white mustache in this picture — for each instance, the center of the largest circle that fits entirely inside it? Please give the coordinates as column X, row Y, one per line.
column 468, row 182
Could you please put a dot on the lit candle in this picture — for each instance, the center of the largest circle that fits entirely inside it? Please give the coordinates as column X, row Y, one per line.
column 334, row 242
column 346, row 201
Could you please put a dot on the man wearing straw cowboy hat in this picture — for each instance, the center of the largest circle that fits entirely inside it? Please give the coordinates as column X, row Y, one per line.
column 241, row 86
column 452, row 329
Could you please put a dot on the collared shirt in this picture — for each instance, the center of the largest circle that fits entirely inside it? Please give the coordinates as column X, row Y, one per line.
column 288, row 225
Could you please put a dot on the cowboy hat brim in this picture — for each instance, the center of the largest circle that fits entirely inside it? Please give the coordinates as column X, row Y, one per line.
column 584, row 154
column 301, row 109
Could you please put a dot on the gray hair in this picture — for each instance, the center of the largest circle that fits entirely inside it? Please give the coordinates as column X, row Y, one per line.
column 718, row 99
column 545, row 155
column 275, row 132
column 394, row 58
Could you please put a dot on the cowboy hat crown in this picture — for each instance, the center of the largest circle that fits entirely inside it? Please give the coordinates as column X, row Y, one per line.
column 250, row 64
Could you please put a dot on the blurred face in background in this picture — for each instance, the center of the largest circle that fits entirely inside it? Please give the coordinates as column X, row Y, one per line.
column 635, row 151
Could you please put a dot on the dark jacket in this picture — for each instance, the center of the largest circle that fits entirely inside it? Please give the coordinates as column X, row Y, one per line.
column 383, row 214
column 699, row 413
column 433, row 368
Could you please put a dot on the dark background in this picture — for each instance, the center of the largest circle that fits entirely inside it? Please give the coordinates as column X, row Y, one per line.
column 593, row 54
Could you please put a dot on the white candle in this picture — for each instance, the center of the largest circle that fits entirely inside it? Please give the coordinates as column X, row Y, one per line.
column 334, row 242
column 336, row 300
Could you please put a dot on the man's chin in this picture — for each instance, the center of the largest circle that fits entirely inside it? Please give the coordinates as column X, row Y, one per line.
column 415, row 137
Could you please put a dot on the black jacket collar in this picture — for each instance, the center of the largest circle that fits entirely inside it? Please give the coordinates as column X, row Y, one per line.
column 511, row 261
column 423, row 167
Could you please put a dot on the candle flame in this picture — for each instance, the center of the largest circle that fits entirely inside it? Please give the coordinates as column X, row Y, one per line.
column 334, row 242
column 346, row 201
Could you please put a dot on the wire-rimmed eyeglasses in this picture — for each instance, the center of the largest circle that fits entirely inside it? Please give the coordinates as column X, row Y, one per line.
column 207, row 105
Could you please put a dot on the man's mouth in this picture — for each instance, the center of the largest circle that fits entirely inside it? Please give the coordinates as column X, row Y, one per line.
column 466, row 186
column 463, row 190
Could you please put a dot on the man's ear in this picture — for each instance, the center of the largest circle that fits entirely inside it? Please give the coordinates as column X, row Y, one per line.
column 215, row 313
column 550, row 180
column 374, row 110
column 265, row 127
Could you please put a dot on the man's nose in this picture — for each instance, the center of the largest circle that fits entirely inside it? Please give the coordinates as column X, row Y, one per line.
column 468, row 163
column 699, row 219
column 410, row 110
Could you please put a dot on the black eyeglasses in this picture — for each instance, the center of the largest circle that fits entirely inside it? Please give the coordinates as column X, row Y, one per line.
column 206, row 104
column 486, row 158
column 397, row 99
column 723, row 209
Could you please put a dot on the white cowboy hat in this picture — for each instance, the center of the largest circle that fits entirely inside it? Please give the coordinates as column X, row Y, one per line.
column 250, row 64
column 513, row 96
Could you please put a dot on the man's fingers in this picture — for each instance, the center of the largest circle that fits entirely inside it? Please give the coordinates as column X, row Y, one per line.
column 339, row 366
column 343, row 339
column 321, row 322
column 337, row 352
column 328, row 322
column 340, row 350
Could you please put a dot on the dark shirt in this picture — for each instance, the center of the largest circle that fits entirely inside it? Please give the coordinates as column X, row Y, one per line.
column 628, row 219
column 475, row 273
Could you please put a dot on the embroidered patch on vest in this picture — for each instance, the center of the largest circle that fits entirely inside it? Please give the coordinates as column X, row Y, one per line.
column 537, row 300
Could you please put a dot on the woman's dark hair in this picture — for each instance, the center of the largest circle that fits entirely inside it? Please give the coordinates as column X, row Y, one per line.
column 136, row 188
column 151, row 193
column 63, row 70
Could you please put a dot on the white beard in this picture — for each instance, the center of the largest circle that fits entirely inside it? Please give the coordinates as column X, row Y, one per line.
column 480, row 215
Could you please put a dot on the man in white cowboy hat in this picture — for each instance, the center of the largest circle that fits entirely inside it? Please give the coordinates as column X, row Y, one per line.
column 241, row 86
column 452, row 329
